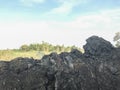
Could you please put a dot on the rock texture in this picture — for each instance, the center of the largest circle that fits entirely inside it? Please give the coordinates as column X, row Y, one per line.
column 97, row 69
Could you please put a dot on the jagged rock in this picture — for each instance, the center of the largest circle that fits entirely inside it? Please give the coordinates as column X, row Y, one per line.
column 97, row 69
column 3, row 66
column 97, row 46
column 19, row 65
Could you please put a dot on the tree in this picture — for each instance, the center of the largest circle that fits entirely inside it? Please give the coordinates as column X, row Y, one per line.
column 24, row 47
column 117, row 39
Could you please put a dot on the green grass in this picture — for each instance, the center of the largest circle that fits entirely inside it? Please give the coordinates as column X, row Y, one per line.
column 8, row 55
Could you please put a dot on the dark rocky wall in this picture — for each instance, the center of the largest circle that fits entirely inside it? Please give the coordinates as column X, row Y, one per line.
column 97, row 69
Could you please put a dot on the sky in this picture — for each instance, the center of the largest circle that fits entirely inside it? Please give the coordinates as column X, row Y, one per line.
column 68, row 22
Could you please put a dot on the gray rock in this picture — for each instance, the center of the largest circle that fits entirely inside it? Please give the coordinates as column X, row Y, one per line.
column 97, row 69
column 97, row 46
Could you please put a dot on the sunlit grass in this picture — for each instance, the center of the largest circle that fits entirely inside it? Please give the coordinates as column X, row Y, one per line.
column 7, row 55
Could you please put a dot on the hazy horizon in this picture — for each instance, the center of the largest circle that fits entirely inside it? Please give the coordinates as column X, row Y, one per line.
column 68, row 22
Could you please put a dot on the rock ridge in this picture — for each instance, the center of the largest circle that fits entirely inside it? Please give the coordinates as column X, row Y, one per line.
column 98, row 68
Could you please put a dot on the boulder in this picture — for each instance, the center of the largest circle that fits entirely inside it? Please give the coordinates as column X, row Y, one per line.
column 97, row 46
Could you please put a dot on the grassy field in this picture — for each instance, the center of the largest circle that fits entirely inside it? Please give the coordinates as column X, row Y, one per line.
column 7, row 55
column 35, row 50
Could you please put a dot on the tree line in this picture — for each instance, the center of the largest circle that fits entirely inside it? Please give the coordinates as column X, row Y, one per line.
column 46, row 47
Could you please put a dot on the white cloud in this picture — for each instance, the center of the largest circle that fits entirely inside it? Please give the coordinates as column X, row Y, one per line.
column 32, row 2
column 66, row 6
column 104, row 24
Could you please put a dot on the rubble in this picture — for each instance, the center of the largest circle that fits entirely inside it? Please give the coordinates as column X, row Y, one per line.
column 98, row 68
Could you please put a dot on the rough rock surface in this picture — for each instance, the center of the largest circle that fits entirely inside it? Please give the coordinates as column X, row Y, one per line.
column 97, row 69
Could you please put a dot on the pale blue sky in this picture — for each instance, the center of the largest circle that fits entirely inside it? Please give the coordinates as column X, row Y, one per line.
column 67, row 22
